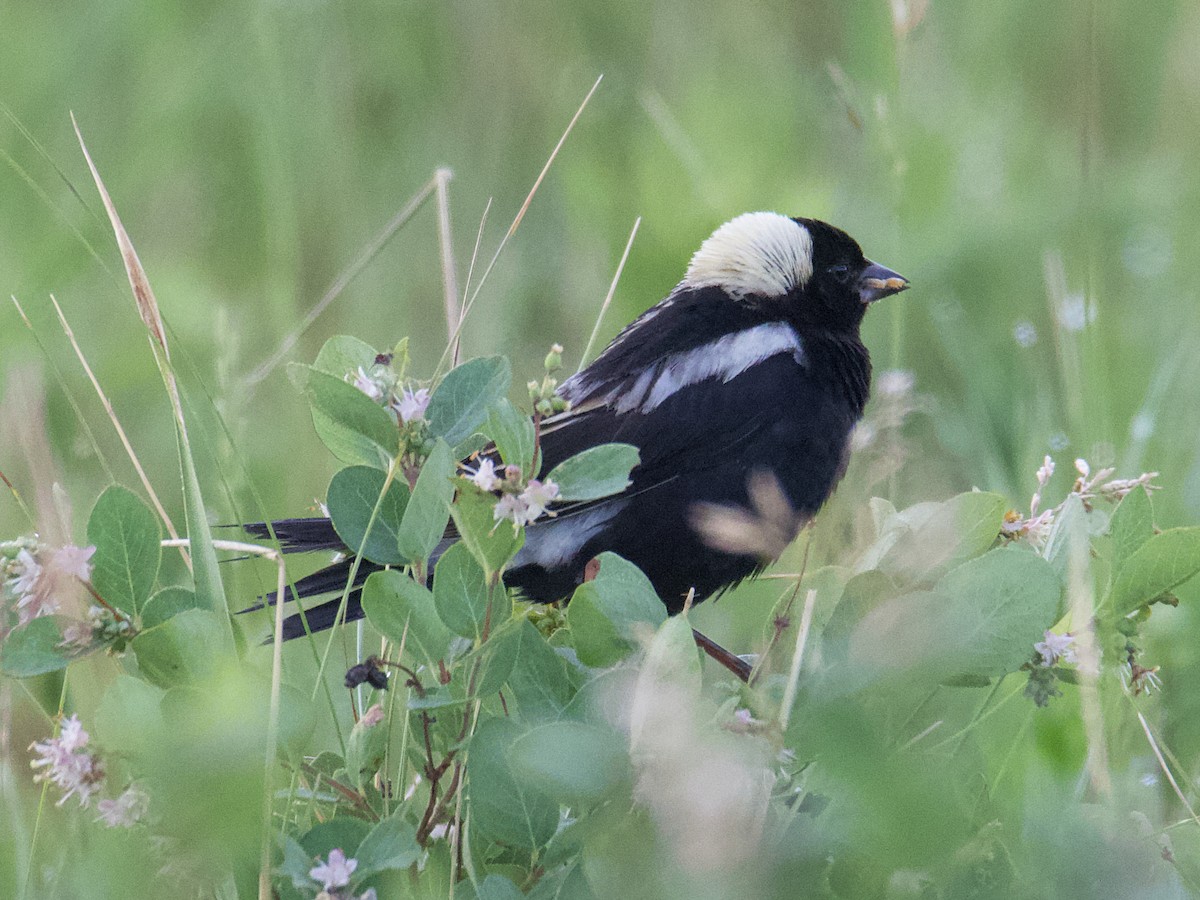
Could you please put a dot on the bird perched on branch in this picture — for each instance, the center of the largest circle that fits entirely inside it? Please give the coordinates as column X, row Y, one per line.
column 739, row 390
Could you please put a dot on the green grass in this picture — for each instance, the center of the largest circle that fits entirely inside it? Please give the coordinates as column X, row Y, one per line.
column 1013, row 160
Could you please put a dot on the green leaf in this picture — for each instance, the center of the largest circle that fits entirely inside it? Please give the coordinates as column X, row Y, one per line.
column 540, row 682
column 502, row 809
column 352, row 498
column 1131, row 526
column 342, row 833
column 354, row 427
column 391, row 844
column 460, row 403
column 167, row 603
column 365, row 751
column 861, row 594
column 571, row 761
column 128, row 552
column 925, row 541
column 185, row 649
column 1000, row 606
column 511, row 431
column 428, row 510
column 1068, row 536
column 493, row 543
column 32, row 649
column 342, row 354
column 129, row 718
column 499, row 657
column 982, row 620
column 460, row 592
column 494, row 887
column 294, row 863
column 1161, row 564
column 394, row 603
column 607, row 614
column 596, row 472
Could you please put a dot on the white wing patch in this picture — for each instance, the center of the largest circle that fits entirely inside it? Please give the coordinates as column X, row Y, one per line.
column 555, row 541
column 759, row 253
column 725, row 358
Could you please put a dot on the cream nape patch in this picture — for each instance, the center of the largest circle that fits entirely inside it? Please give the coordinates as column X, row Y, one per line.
column 758, row 253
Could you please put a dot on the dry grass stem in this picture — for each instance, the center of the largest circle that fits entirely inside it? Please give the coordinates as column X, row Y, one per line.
column 143, row 295
column 612, row 290
column 1166, row 769
column 343, row 279
column 789, row 694
column 512, row 229
column 116, row 423
column 446, row 245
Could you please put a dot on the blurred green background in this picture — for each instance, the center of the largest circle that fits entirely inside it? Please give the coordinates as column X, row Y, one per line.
column 1031, row 167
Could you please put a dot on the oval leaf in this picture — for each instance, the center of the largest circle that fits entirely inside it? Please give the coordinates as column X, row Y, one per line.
column 354, row 500
column 343, row 354
column 33, row 649
column 461, row 401
column 512, row 432
column 570, row 761
column 596, row 472
column 1131, row 526
column 354, row 427
column 428, row 510
column 493, row 543
column 185, row 649
column 1162, row 563
column 503, row 809
column 392, row 844
column 167, row 603
column 608, row 613
column 127, row 536
column 402, row 610
column 460, row 592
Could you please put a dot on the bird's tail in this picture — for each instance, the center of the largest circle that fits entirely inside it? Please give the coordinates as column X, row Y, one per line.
column 303, row 536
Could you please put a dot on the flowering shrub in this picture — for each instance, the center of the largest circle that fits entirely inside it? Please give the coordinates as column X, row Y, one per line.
column 507, row 749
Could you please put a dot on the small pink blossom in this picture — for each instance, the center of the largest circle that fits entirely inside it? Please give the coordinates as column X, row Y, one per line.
column 411, row 405
column 1056, row 648
column 26, row 572
column 67, row 765
column 72, row 560
column 125, row 811
column 484, row 476
column 538, row 495
column 373, row 716
column 372, row 386
column 511, row 507
column 336, row 872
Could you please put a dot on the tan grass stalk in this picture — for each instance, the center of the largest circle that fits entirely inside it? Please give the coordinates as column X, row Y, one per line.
column 516, row 223
column 612, row 290
column 1166, row 769
column 343, row 279
column 446, row 246
column 116, row 423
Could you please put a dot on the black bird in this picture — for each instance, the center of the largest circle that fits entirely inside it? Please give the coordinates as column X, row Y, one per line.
column 740, row 390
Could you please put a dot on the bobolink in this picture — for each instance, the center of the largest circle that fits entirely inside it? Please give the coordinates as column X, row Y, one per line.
column 740, row 390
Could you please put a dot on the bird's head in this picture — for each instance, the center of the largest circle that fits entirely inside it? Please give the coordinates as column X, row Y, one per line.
column 803, row 270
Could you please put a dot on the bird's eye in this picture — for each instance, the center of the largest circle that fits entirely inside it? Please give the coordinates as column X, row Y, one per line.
column 841, row 271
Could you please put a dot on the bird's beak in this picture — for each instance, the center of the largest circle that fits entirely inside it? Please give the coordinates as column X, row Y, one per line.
column 877, row 282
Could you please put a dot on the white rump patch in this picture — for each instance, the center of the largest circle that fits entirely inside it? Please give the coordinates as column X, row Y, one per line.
column 758, row 253
column 554, row 541
column 725, row 358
